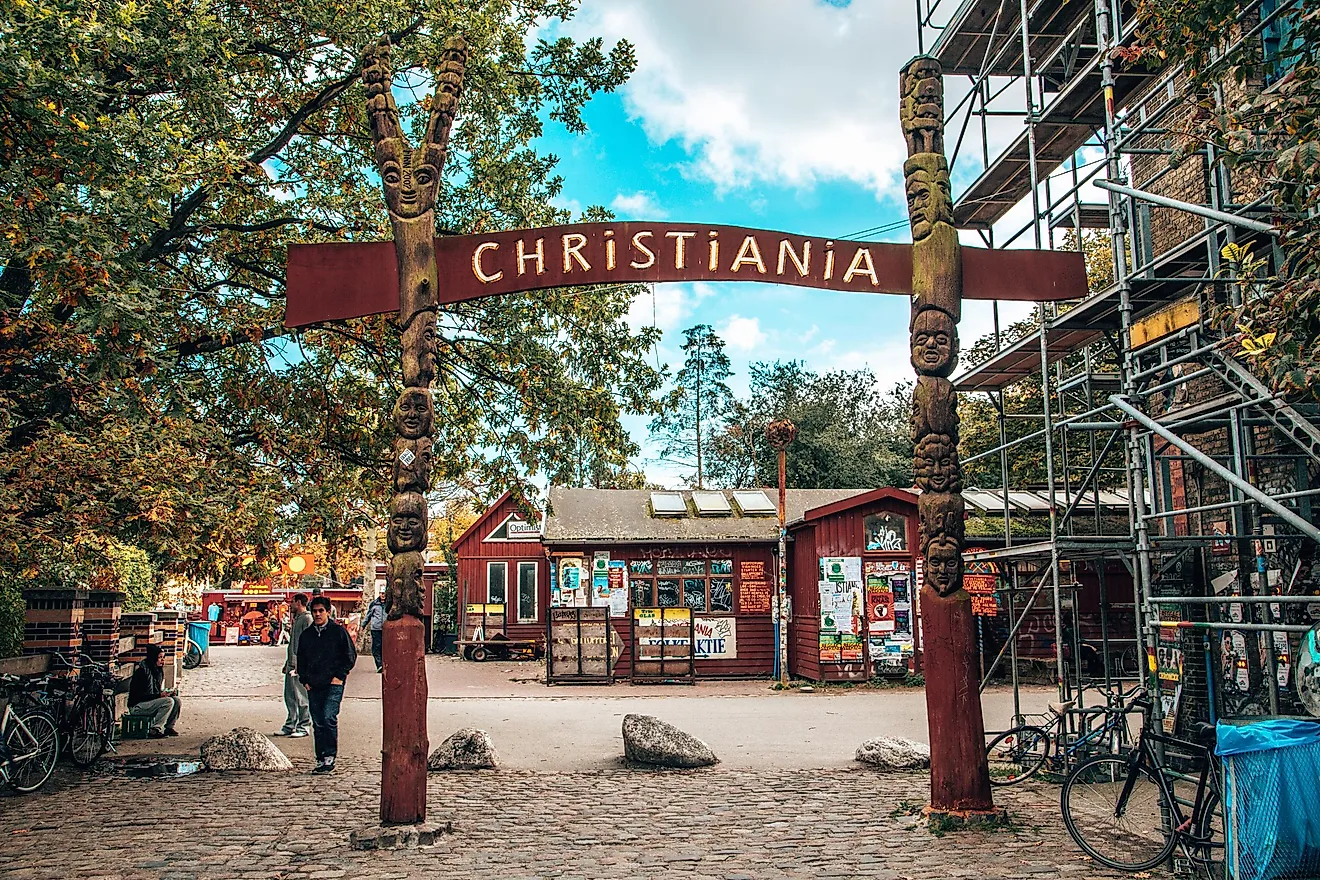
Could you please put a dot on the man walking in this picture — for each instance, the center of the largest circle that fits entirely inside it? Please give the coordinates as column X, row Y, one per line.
column 325, row 656
column 376, row 623
column 298, row 721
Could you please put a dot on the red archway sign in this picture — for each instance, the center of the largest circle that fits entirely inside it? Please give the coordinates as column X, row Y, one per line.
column 337, row 281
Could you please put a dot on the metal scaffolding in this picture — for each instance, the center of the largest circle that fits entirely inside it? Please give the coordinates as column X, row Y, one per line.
column 1140, row 392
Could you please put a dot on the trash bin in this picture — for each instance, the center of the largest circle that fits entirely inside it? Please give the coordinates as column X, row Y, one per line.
column 1272, row 827
column 199, row 632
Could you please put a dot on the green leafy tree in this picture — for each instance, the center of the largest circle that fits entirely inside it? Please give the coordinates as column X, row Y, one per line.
column 158, row 159
column 698, row 404
column 1270, row 135
column 131, row 573
column 850, row 433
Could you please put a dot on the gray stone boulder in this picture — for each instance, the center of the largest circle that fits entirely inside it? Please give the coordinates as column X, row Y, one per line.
column 243, row 749
column 648, row 740
column 894, row 753
column 466, row 749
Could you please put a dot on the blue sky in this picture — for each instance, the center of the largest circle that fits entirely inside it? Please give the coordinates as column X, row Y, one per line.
column 779, row 114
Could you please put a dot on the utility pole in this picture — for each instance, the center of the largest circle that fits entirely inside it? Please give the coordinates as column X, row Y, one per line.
column 780, row 433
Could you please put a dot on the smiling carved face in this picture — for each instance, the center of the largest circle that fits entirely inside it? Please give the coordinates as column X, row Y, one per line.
column 934, row 343
column 407, row 529
column 413, row 416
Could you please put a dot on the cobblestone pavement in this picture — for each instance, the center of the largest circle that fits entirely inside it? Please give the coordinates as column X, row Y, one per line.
column 620, row 823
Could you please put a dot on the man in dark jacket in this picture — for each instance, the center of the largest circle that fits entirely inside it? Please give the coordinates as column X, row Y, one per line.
column 147, row 696
column 325, row 656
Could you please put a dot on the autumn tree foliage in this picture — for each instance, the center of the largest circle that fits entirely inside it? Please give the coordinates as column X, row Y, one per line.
column 156, row 159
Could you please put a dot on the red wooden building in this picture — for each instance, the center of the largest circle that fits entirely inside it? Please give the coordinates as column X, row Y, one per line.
column 853, row 580
column 712, row 552
column 501, row 562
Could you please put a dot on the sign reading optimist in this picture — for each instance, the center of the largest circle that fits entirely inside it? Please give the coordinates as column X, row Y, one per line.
column 354, row 279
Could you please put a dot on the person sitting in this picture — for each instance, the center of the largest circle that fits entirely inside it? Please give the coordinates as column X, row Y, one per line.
column 147, row 696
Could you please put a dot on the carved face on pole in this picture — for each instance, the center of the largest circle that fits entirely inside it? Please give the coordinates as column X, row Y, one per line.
column 412, row 465
column 405, row 593
column 944, row 566
column 929, row 198
column 413, row 415
column 935, row 463
column 420, row 341
column 922, row 106
column 410, row 186
column 407, row 531
column 934, row 343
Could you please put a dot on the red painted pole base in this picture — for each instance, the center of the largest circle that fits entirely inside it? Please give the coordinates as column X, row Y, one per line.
column 404, row 744
column 959, row 776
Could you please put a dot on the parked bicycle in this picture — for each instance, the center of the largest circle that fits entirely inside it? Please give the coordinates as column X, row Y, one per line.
column 192, row 652
column 1122, row 809
column 1066, row 736
column 83, row 709
column 29, row 742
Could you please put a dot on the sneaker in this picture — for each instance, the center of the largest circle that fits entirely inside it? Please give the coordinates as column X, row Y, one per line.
column 327, row 765
column 156, row 734
column 295, row 734
column 170, row 731
column 283, row 732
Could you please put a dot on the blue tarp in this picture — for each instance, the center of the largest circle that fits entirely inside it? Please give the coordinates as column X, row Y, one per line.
column 1271, row 797
column 1276, row 733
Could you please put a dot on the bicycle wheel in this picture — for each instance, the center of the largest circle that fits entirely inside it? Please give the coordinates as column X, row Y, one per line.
column 89, row 735
column 33, row 748
column 1132, row 836
column 192, row 658
column 1016, row 754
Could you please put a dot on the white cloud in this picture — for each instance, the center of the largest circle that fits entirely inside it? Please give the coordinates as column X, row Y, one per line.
column 742, row 334
column 783, row 91
column 638, row 206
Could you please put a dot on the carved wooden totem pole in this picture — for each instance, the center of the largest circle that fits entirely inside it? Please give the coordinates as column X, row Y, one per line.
column 411, row 179
column 959, row 778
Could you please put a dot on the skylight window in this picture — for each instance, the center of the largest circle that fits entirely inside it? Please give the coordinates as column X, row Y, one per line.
column 754, row 503
column 668, row 504
column 711, row 504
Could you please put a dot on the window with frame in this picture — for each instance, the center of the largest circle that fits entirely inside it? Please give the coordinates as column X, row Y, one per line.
column 497, row 582
column 705, row 586
column 527, row 592
column 885, row 532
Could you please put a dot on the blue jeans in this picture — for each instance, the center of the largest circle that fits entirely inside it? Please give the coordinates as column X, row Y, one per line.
column 324, row 703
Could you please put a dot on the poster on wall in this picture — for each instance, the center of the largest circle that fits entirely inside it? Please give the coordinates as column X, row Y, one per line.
column 570, row 593
column 832, row 569
column 831, row 648
column 879, row 579
column 839, row 607
column 754, row 590
column 981, row 587
column 617, row 577
column 850, row 649
column 715, row 638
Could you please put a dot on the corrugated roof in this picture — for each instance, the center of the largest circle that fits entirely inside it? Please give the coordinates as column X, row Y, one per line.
column 623, row 515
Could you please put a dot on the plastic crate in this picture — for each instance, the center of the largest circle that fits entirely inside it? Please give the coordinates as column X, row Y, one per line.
column 135, row 726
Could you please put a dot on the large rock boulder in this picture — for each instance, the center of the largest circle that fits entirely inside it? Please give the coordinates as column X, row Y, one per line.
column 466, row 749
column 648, row 740
column 243, row 749
column 894, row 753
